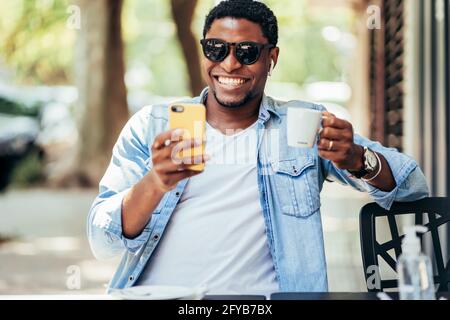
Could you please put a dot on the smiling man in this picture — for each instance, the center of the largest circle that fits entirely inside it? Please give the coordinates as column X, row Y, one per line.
column 250, row 225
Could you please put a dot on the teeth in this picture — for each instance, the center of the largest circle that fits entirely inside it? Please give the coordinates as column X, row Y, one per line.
column 231, row 81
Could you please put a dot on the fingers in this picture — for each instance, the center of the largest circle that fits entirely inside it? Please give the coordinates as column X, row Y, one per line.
column 170, row 135
column 330, row 120
column 336, row 134
column 183, row 149
column 171, row 151
column 183, row 164
column 329, row 145
column 172, row 157
column 166, row 170
column 331, row 133
column 185, row 145
column 178, row 156
column 190, row 160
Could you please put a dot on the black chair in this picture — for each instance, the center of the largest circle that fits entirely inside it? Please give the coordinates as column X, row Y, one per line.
column 438, row 212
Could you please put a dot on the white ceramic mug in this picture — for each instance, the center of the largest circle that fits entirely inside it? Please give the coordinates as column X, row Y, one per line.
column 302, row 127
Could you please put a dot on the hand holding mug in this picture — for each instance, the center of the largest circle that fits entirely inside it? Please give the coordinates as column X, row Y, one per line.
column 336, row 143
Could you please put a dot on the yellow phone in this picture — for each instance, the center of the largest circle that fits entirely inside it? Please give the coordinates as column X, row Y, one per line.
column 192, row 118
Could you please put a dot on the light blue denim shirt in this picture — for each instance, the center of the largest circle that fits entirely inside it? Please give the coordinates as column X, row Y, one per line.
column 289, row 181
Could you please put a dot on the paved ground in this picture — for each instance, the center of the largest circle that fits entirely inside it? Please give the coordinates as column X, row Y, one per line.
column 340, row 218
column 50, row 247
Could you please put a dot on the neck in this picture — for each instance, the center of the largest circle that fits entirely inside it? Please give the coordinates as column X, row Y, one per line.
column 223, row 118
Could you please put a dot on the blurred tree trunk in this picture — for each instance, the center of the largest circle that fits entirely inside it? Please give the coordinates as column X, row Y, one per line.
column 102, row 102
column 183, row 12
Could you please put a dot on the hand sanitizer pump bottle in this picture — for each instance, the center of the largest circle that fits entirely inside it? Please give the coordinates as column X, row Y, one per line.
column 414, row 268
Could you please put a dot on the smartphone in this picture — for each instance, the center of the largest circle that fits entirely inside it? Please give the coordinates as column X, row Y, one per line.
column 191, row 118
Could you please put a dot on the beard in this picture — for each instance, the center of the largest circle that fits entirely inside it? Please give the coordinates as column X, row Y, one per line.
column 234, row 105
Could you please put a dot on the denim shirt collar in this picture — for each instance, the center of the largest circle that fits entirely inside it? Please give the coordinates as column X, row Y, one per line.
column 266, row 108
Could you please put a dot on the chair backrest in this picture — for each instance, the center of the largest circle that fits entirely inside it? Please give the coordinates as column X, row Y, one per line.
column 437, row 210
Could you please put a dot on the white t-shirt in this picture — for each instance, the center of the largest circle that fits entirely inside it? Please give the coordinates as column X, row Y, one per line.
column 216, row 236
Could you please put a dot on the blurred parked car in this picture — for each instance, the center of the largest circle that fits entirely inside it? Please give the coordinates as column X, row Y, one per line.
column 34, row 120
column 17, row 139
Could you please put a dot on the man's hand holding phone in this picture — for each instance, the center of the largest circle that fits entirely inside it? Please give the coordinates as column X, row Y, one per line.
column 177, row 154
column 168, row 167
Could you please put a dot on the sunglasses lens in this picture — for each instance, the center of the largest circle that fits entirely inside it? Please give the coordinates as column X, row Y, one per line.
column 215, row 50
column 247, row 52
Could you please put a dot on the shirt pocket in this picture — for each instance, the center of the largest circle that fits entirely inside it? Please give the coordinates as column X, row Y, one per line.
column 296, row 183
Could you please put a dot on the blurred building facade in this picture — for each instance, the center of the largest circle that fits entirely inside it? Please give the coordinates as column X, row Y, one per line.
column 410, row 86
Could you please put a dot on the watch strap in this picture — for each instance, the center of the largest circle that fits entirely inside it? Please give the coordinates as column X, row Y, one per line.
column 362, row 172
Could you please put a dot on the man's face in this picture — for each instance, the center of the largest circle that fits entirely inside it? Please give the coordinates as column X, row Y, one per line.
column 234, row 84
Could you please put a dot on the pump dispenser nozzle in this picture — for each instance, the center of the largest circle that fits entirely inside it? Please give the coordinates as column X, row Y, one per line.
column 411, row 242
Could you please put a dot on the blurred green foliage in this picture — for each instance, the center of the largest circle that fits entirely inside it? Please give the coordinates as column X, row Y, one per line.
column 39, row 48
column 8, row 106
column 35, row 42
column 305, row 55
column 29, row 170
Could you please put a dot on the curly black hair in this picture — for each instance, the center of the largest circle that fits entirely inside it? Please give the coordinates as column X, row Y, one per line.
column 251, row 10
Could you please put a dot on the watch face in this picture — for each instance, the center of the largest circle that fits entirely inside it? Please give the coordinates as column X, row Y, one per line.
column 371, row 160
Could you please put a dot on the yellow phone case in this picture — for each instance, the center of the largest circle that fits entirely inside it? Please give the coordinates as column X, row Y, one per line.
column 191, row 118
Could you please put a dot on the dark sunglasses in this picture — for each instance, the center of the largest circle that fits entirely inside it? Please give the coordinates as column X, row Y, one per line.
column 246, row 52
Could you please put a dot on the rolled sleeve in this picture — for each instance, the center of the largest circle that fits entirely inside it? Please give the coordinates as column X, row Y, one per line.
column 413, row 187
column 410, row 181
column 105, row 229
column 129, row 163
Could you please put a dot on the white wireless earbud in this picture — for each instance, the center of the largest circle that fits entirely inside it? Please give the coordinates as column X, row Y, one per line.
column 271, row 68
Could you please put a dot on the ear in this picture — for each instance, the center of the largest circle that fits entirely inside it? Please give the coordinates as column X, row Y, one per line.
column 271, row 68
column 274, row 56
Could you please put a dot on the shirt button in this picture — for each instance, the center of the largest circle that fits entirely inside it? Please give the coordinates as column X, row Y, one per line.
column 156, row 237
column 177, row 194
column 131, row 278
